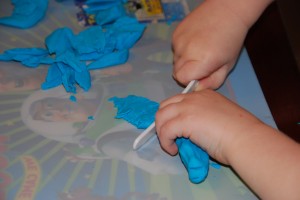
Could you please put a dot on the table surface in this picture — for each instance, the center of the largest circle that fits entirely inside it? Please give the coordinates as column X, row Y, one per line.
column 54, row 159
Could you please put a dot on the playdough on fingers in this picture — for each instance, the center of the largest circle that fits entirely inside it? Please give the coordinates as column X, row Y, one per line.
column 140, row 112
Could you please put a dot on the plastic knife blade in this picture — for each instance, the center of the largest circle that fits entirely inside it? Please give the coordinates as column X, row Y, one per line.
column 150, row 131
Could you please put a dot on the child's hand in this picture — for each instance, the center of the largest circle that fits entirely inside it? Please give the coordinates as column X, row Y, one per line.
column 207, row 118
column 267, row 160
column 206, row 44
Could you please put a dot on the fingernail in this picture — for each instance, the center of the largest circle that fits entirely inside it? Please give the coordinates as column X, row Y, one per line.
column 199, row 87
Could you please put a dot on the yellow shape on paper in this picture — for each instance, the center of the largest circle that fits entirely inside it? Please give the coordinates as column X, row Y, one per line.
column 152, row 7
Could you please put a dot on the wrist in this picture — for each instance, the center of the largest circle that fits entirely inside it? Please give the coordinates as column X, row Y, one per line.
column 243, row 137
column 247, row 11
column 250, row 142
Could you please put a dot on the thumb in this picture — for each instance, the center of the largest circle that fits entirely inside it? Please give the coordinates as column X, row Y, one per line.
column 213, row 81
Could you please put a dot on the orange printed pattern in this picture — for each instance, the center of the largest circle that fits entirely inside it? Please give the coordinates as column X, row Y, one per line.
column 32, row 174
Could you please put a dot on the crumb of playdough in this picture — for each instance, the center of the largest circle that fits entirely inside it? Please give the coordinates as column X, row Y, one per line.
column 73, row 98
column 91, row 118
column 215, row 165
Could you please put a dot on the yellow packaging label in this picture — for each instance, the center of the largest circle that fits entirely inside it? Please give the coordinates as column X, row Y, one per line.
column 152, row 7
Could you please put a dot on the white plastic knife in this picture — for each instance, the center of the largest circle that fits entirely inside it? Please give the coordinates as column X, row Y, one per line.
column 150, row 131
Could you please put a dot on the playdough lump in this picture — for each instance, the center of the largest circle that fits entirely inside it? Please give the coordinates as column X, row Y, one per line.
column 26, row 13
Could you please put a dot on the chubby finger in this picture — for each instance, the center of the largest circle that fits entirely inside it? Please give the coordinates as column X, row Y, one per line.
column 168, row 133
column 165, row 114
column 191, row 70
column 176, row 58
column 178, row 64
column 175, row 99
column 213, row 81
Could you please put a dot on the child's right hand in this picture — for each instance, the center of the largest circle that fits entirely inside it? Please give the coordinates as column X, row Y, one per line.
column 207, row 118
column 267, row 160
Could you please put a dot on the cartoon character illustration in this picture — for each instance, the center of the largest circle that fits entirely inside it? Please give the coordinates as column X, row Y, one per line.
column 56, row 109
column 53, row 108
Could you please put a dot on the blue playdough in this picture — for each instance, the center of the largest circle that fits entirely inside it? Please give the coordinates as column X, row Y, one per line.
column 68, row 70
column 140, row 112
column 94, row 6
column 73, row 98
column 108, row 15
column 114, row 58
column 30, row 57
column 59, row 40
column 26, row 13
column 126, row 31
column 67, row 53
column 91, row 118
column 91, row 40
column 194, row 159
